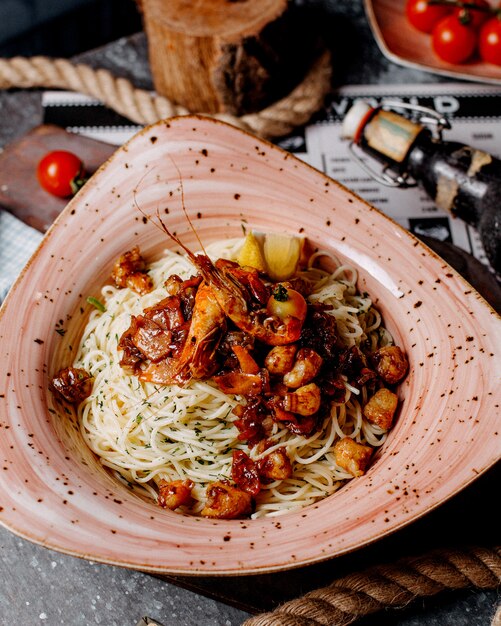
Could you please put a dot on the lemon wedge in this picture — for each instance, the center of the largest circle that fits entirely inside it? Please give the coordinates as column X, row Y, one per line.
column 250, row 254
column 282, row 254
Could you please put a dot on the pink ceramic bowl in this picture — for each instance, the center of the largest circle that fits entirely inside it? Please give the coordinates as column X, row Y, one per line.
column 54, row 492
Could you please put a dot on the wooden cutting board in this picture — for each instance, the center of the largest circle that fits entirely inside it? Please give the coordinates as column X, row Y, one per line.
column 20, row 192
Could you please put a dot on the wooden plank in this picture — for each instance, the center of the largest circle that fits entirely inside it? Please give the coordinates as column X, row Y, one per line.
column 20, row 192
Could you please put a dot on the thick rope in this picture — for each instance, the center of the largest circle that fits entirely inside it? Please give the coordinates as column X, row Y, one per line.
column 143, row 107
column 355, row 596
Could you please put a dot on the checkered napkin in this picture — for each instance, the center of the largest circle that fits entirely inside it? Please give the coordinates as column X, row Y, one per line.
column 17, row 243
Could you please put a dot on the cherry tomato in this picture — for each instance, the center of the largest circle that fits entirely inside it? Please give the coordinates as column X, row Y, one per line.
column 424, row 16
column 475, row 18
column 287, row 303
column 490, row 41
column 453, row 41
column 61, row 173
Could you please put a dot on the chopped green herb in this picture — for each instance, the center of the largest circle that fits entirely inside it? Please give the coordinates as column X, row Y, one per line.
column 280, row 294
column 139, row 418
column 95, row 302
column 61, row 331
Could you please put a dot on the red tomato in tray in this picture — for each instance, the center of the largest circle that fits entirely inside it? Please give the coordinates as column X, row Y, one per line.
column 424, row 16
column 453, row 41
column 490, row 41
column 477, row 18
column 61, row 173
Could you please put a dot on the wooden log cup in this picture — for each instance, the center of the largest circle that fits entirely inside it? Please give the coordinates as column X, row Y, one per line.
column 231, row 56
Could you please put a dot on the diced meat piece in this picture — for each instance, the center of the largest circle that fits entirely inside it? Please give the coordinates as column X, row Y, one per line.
column 236, row 338
column 139, row 282
column 145, row 339
column 167, row 313
column 381, row 408
column 187, row 293
column 127, row 264
column 320, row 332
column 391, row 364
column 242, row 384
column 175, row 493
column 352, row 456
column 73, row 384
column 352, row 363
column 173, row 284
column 333, row 386
column 151, row 340
column 365, row 376
column 185, row 290
column 132, row 357
column 280, row 359
column 304, row 426
column 250, row 422
column 275, row 466
column 225, row 352
column 248, row 277
column 303, row 286
column 304, row 401
column 244, row 473
column 306, row 366
column 247, row 363
column 165, row 372
column 227, row 502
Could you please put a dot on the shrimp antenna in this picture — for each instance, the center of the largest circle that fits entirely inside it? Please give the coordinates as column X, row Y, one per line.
column 161, row 224
column 174, row 238
column 136, row 204
column 184, row 208
column 148, row 217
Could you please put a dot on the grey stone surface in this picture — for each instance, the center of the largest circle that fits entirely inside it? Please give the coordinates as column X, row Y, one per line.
column 39, row 586
column 20, row 111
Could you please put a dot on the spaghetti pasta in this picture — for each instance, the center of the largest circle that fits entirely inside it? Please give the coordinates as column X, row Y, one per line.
column 147, row 433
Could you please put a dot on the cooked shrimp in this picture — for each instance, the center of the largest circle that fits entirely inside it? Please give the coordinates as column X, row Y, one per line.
column 352, row 456
column 175, row 493
column 244, row 472
column 196, row 359
column 391, row 364
column 381, row 408
column 304, row 401
column 73, row 384
column 241, row 383
column 208, row 323
column 248, row 277
column 280, row 359
column 275, row 466
column 247, row 363
column 306, row 367
column 130, row 271
column 232, row 296
column 226, row 502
